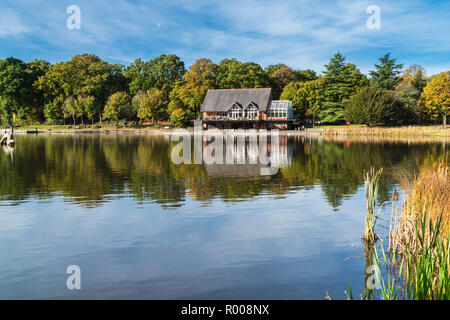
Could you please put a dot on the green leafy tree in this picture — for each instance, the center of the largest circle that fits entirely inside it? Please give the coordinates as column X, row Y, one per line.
column 386, row 73
column 69, row 109
column 233, row 74
column 371, row 105
column 16, row 91
column 84, row 75
column 175, row 100
column 306, row 97
column 152, row 105
column 37, row 68
column 135, row 103
column 118, row 107
column 416, row 75
column 341, row 80
column 161, row 73
column 53, row 113
column 88, row 106
column 305, row 75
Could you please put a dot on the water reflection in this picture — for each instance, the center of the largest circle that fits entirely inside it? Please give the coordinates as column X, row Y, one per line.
column 249, row 155
column 91, row 169
column 100, row 202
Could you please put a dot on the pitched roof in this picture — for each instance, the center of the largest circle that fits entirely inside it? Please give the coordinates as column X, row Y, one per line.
column 221, row 100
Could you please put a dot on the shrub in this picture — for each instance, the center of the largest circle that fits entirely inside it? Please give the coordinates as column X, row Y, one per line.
column 370, row 105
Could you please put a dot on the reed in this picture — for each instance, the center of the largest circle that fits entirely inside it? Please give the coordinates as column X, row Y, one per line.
column 420, row 260
column 372, row 178
column 417, row 262
column 404, row 131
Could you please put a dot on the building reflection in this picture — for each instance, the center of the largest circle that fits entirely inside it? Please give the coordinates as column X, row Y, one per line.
column 247, row 155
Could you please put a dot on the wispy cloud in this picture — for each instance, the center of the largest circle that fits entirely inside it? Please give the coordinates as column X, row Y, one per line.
column 303, row 34
column 11, row 23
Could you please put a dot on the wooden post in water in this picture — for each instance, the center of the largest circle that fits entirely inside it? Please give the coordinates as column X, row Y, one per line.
column 8, row 138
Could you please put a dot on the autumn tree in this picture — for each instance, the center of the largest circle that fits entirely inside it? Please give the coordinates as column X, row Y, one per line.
column 386, row 73
column 436, row 96
column 118, row 107
column 152, row 105
column 408, row 90
column 280, row 79
column 200, row 77
column 272, row 68
column 178, row 117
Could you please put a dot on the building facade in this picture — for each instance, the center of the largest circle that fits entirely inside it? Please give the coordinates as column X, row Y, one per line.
column 246, row 109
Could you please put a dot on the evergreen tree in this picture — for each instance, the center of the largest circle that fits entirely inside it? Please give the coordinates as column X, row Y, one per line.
column 386, row 74
column 341, row 80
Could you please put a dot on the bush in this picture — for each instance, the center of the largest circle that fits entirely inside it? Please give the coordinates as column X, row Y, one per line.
column 370, row 105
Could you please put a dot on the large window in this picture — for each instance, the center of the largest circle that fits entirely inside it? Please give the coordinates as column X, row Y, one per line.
column 280, row 109
column 235, row 112
column 251, row 112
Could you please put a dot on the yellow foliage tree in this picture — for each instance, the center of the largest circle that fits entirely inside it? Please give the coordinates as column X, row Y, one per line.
column 151, row 105
column 200, row 77
column 436, row 96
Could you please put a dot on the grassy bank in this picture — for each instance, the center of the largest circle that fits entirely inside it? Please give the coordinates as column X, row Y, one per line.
column 403, row 131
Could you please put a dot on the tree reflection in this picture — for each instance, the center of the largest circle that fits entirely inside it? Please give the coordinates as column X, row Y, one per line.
column 91, row 169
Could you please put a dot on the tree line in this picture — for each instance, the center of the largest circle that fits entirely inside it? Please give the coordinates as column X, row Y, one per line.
column 87, row 89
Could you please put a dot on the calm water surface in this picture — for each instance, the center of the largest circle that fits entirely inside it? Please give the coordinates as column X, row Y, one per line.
column 141, row 227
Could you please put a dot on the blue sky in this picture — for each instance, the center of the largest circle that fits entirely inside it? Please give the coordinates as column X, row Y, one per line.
column 301, row 34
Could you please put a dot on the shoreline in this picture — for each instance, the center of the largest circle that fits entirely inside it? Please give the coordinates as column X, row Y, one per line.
column 328, row 132
column 311, row 132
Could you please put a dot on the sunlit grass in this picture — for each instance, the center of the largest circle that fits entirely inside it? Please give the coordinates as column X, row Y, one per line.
column 416, row 265
column 430, row 192
column 403, row 131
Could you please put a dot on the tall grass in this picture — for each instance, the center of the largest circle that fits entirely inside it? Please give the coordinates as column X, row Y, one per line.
column 404, row 131
column 429, row 193
column 417, row 262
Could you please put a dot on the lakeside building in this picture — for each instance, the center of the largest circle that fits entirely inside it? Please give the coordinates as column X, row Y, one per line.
column 246, row 109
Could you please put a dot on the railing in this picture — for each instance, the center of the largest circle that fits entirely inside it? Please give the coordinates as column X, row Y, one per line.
column 222, row 118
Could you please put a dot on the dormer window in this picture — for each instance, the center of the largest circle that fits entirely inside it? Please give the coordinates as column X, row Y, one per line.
column 251, row 112
column 235, row 112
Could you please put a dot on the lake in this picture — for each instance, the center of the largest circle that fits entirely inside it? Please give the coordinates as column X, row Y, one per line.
column 140, row 226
